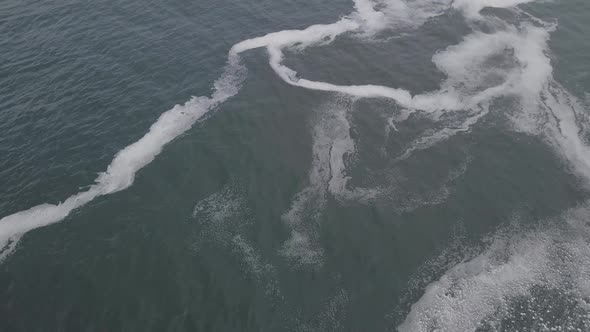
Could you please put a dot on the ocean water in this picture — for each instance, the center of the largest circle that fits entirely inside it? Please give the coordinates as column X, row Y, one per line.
column 295, row 165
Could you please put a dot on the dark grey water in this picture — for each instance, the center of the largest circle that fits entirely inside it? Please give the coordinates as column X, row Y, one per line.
column 406, row 165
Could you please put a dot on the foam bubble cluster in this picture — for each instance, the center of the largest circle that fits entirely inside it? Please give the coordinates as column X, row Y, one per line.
column 536, row 278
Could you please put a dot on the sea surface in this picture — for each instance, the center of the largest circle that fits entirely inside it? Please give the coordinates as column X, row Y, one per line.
column 294, row 165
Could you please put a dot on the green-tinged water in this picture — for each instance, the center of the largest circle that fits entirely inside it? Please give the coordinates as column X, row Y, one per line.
column 321, row 200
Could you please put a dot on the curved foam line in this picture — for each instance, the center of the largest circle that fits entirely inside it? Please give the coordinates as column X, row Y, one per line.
column 443, row 99
column 121, row 172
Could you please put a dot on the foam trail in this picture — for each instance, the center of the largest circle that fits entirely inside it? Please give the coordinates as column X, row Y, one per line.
column 448, row 98
column 472, row 8
column 306, row 209
column 342, row 145
column 315, row 34
column 438, row 136
column 564, row 133
column 523, row 73
column 121, row 172
column 432, row 102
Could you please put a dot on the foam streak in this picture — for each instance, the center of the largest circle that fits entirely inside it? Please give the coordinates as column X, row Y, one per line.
column 121, row 172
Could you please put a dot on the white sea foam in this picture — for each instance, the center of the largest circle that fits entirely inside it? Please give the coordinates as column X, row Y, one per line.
column 330, row 132
column 483, row 292
column 471, row 81
column 121, row 172
column 472, row 8
column 517, row 266
column 564, row 130
column 437, row 136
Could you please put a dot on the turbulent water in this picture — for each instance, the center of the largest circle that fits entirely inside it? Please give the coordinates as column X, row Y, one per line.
column 366, row 165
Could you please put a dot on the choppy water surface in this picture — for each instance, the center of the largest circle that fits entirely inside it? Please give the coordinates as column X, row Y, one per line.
column 366, row 165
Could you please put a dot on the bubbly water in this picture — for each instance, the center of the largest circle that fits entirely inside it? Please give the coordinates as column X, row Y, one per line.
column 411, row 165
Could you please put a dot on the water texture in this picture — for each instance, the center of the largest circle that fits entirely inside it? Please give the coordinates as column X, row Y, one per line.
column 366, row 165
